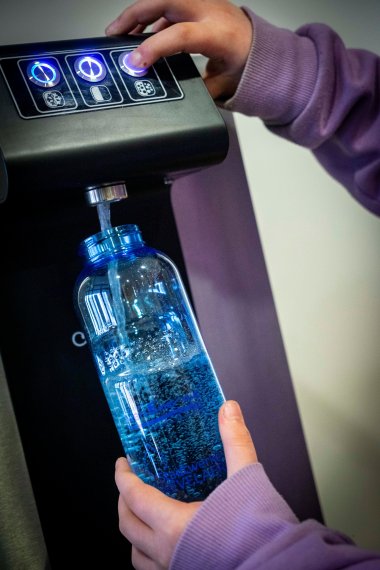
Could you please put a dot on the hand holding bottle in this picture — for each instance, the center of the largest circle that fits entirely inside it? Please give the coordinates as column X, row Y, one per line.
column 153, row 522
column 214, row 28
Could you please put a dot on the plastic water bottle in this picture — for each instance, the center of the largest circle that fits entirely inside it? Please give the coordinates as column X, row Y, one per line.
column 152, row 363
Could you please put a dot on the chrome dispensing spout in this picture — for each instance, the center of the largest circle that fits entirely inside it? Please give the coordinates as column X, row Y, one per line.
column 115, row 192
column 102, row 197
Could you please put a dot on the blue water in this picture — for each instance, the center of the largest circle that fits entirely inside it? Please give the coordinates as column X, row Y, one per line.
column 164, row 403
column 167, row 422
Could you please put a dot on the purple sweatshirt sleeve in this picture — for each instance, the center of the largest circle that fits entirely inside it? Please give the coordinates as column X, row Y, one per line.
column 246, row 524
column 309, row 88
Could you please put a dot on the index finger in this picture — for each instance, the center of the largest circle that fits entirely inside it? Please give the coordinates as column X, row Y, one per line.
column 145, row 12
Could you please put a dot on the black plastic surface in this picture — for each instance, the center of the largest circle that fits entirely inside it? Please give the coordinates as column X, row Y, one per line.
column 69, row 439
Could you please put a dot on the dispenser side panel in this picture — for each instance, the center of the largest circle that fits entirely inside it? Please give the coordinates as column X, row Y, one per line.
column 3, row 179
column 68, row 435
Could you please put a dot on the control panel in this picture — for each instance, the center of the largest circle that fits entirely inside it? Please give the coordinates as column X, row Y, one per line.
column 81, row 113
column 77, row 81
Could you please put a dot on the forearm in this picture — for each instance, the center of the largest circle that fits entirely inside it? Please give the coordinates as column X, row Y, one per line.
column 246, row 524
column 307, row 87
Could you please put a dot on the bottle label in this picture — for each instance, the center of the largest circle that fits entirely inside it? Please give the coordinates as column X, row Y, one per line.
column 155, row 412
column 207, row 472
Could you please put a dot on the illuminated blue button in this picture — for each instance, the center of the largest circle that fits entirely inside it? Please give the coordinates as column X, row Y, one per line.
column 90, row 68
column 130, row 69
column 43, row 74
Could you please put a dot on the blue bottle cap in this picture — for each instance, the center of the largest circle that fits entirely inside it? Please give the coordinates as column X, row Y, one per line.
column 111, row 242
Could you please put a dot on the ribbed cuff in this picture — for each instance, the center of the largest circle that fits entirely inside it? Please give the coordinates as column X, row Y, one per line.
column 279, row 76
column 243, row 514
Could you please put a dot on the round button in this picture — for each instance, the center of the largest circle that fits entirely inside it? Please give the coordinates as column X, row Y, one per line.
column 90, row 68
column 43, row 74
column 130, row 69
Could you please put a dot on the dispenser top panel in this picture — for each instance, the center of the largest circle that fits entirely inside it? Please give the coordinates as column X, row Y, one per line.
column 74, row 81
column 79, row 112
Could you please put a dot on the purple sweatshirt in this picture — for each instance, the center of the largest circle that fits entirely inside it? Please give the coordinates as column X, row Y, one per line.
column 307, row 87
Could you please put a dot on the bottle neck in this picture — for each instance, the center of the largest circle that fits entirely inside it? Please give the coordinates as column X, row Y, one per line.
column 111, row 242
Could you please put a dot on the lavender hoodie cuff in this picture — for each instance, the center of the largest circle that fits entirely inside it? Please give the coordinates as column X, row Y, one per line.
column 279, row 77
column 218, row 532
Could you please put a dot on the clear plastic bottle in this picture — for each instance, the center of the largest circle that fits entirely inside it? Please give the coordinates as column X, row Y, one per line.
column 155, row 371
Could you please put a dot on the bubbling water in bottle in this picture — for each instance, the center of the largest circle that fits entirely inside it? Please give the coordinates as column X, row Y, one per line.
column 160, row 385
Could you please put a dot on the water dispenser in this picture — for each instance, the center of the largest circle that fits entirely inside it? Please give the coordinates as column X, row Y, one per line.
column 77, row 121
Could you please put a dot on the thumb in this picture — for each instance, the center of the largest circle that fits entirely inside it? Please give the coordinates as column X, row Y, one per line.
column 238, row 446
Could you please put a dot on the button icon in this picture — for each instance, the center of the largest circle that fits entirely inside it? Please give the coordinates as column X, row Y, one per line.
column 54, row 99
column 145, row 88
column 100, row 93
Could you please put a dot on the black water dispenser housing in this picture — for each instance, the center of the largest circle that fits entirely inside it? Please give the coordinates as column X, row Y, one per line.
column 71, row 117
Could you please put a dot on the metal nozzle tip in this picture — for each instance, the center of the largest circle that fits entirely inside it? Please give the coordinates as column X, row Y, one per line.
column 107, row 193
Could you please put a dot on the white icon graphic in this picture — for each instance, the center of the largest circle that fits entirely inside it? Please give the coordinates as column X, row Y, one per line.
column 54, row 99
column 78, row 339
column 100, row 93
column 115, row 357
column 145, row 88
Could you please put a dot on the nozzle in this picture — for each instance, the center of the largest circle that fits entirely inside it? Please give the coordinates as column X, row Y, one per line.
column 106, row 193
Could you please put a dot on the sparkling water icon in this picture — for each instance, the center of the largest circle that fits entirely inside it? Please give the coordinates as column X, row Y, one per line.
column 145, row 88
